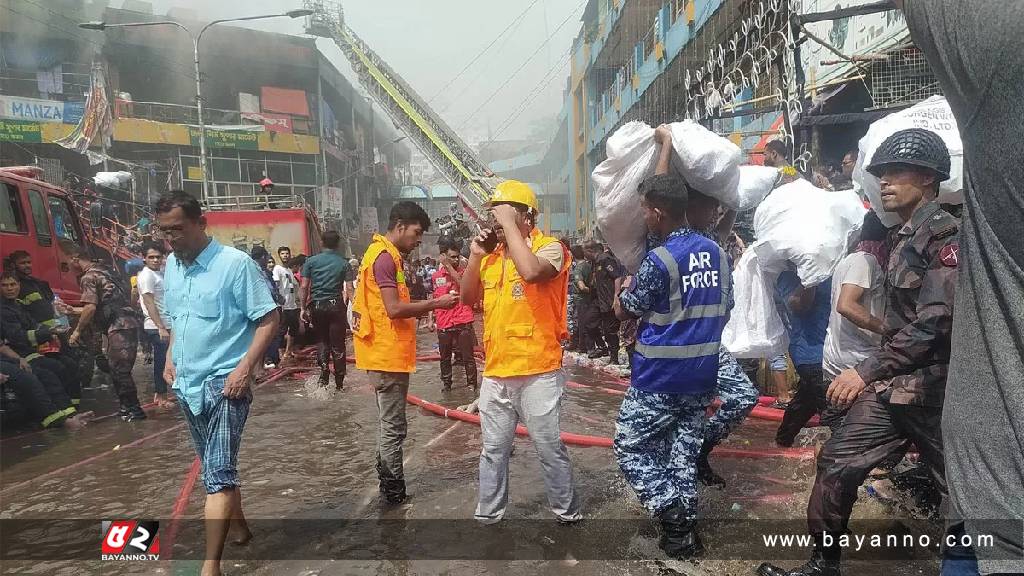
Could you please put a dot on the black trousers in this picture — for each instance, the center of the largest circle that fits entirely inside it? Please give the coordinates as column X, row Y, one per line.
column 458, row 340
column 873, row 430
column 602, row 328
column 809, row 400
column 330, row 326
column 65, row 368
column 39, row 391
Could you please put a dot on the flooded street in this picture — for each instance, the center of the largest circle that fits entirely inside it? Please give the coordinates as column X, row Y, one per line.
column 310, row 491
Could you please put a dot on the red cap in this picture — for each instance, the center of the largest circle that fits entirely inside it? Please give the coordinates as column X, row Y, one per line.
column 266, row 182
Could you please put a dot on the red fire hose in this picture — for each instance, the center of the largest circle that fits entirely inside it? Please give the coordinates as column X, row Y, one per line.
column 604, row 442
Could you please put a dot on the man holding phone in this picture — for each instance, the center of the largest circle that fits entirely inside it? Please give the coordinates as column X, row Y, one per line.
column 522, row 275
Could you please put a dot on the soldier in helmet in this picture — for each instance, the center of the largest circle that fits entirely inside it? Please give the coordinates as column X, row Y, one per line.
column 107, row 306
column 895, row 395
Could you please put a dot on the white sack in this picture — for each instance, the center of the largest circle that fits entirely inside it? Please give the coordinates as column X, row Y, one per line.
column 631, row 156
column 755, row 329
column 755, row 182
column 112, row 179
column 808, row 227
column 932, row 114
column 708, row 162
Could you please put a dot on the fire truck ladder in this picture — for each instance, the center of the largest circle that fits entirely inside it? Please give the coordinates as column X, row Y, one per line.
column 469, row 176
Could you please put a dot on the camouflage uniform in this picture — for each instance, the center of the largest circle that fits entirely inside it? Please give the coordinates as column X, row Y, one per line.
column 737, row 393
column 657, row 439
column 906, row 378
column 114, row 314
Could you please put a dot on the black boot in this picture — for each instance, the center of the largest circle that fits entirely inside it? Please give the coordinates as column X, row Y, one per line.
column 705, row 474
column 446, row 386
column 325, row 377
column 678, row 534
column 394, row 491
column 339, row 374
column 597, row 353
column 133, row 414
column 824, row 562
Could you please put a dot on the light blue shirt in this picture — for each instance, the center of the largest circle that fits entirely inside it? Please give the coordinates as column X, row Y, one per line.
column 214, row 306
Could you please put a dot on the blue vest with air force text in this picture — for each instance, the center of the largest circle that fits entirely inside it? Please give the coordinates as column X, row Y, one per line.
column 678, row 340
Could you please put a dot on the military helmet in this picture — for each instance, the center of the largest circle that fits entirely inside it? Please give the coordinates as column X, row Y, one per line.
column 913, row 146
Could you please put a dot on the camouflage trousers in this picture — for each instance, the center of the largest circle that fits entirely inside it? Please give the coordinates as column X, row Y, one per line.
column 122, row 348
column 657, row 441
column 738, row 396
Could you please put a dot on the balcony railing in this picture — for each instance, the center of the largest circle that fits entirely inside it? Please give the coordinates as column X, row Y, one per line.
column 184, row 114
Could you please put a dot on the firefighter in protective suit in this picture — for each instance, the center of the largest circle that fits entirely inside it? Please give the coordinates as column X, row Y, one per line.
column 895, row 396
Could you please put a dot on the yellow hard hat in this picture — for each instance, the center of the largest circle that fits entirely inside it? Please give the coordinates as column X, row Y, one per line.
column 515, row 191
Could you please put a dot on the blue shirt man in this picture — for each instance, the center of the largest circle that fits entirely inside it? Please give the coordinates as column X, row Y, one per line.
column 806, row 313
column 808, row 325
column 214, row 306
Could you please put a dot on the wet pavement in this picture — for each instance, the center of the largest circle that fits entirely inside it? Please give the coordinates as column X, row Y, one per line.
column 307, row 463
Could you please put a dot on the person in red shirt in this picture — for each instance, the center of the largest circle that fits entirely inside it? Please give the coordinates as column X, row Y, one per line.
column 454, row 326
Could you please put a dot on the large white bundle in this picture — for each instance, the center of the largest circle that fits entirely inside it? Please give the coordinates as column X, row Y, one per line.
column 932, row 114
column 631, row 155
column 708, row 162
column 113, row 179
column 755, row 329
column 755, row 183
column 808, row 227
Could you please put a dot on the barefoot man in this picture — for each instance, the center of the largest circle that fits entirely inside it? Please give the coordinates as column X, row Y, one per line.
column 223, row 317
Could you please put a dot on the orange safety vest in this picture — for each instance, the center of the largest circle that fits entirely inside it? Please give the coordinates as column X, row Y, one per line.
column 524, row 323
column 380, row 343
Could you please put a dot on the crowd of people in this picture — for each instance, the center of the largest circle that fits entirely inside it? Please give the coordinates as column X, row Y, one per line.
column 875, row 349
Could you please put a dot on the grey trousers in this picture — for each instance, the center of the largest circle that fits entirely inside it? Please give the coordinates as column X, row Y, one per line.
column 391, row 389
column 533, row 400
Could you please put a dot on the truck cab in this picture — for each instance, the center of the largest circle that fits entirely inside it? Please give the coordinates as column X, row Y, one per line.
column 38, row 217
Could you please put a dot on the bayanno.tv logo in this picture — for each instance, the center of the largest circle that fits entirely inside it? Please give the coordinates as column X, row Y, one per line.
column 130, row 540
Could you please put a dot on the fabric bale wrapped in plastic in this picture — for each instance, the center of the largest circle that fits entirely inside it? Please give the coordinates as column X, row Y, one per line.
column 708, row 162
column 755, row 182
column 755, row 329
column 807, row 227
column 631, row 156
column 933, row 114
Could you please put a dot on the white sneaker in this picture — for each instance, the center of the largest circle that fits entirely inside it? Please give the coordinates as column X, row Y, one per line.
column 269, row 366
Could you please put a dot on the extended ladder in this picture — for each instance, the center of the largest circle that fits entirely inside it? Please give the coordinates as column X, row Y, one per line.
column 442, row 146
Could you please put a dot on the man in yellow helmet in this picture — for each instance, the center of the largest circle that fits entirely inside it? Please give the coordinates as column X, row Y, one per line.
column 523, row 277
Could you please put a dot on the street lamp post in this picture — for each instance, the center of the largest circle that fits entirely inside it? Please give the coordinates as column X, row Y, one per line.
column 101, row 26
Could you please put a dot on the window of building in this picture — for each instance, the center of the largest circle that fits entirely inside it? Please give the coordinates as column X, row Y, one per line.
column 304, row 174
column 252, row 170
column 40, row 218
column 225, row 170
column 556, row 204
column 12, row 217
column 279, row 172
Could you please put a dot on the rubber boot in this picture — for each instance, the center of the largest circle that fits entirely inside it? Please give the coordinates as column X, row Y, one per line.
column 705, row 474
column 393, row 489
column 339, row 373
column 679, row 537
column 325, row 377
column 824, row 562
column 133, row 414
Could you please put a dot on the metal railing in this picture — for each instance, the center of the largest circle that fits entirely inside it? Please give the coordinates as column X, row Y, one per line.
column 255, row 202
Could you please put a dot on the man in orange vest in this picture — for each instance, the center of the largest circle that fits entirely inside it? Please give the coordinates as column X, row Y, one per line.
column 523, row 278
column 384, row 334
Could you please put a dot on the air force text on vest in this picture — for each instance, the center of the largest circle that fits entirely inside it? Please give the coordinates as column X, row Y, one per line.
column 701, row 274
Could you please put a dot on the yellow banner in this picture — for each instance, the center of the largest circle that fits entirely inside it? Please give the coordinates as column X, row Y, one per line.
column 150, row 132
